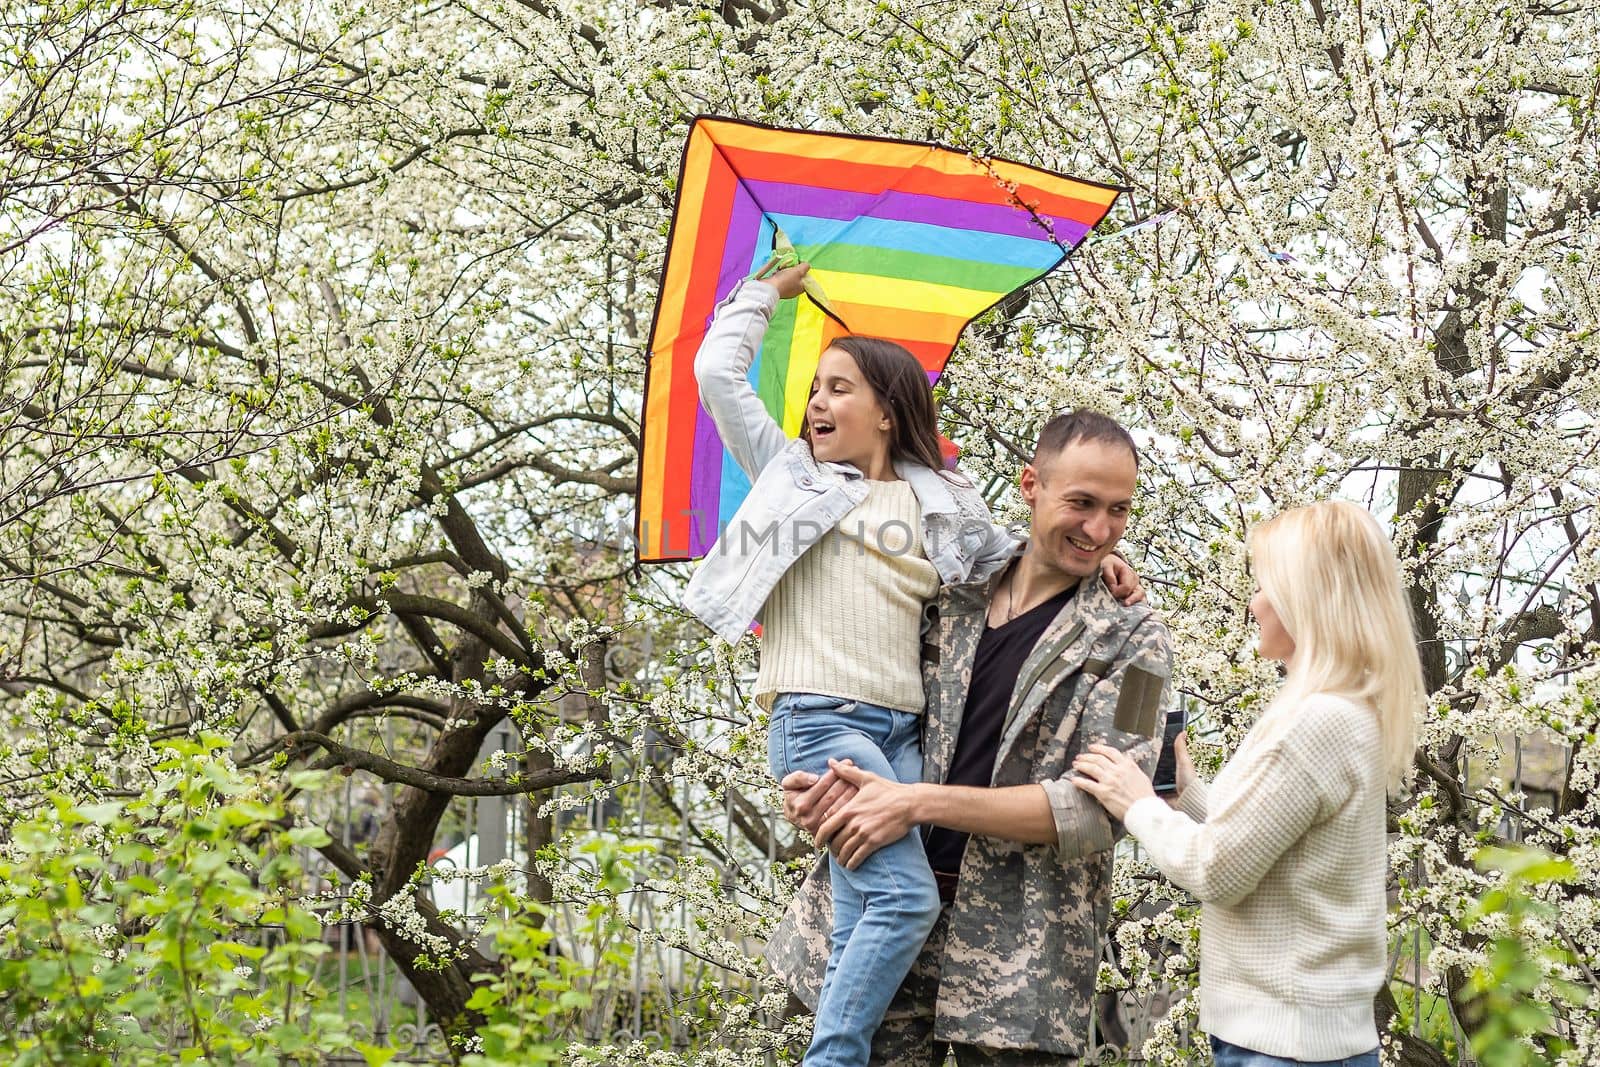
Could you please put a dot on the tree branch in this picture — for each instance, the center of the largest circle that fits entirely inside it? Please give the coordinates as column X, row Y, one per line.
column 390, row 771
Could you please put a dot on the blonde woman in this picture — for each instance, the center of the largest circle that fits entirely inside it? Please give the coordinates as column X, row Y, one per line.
column 1285, row 850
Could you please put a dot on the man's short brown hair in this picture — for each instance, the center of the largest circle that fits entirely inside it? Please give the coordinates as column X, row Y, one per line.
column 1082, row 424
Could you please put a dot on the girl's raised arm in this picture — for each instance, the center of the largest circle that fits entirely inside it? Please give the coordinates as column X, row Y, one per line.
column 722, row 368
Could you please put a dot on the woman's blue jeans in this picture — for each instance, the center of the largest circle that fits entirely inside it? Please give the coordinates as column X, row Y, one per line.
column 884, row 909
column 1226, row 1055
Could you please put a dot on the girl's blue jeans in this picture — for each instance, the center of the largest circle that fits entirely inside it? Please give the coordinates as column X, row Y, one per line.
column 884, row 909
column 1226, row 1055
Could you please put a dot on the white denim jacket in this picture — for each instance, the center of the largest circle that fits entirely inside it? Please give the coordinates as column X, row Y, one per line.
column 793, row 499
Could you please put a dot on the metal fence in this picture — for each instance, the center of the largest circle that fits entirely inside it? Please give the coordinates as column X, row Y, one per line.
column 370, row 987
column 372, row 992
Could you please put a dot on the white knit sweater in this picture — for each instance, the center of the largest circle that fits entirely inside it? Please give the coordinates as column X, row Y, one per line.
column 846, row 619
column 1286, row 852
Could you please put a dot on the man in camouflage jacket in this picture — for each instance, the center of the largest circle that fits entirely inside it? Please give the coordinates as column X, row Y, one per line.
column 1007, row 977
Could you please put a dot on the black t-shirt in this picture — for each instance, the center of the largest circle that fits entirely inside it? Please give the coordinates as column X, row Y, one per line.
column 995, row 665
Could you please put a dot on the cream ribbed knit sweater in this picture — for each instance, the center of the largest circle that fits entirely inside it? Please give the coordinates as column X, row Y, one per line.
column 846, row 619
column 1289, row 864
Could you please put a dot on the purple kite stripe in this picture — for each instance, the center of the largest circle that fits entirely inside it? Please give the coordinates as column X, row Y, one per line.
column 744, row 226
column 706, row 458
column 705, row 489
column 788, row 199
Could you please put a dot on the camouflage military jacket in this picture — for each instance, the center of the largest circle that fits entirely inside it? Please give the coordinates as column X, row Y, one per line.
column 1020, row 960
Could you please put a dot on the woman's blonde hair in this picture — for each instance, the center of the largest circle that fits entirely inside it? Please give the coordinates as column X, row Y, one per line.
column 1332, row 577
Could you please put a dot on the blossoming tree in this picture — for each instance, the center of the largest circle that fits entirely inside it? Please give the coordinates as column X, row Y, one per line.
column 322, row 341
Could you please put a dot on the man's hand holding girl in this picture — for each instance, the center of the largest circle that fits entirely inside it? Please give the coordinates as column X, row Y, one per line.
column 808, row 799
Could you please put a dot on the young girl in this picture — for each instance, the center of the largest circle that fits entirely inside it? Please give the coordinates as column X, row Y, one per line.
column 1286, row 849
column 841, row 545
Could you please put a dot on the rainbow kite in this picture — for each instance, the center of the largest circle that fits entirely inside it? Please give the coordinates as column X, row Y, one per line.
column 907, row 240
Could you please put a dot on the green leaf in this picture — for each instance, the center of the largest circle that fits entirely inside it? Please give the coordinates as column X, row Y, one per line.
column 309, row 781
column 309, row 836
column 100, row 814
column 1527, row 864
column 375, row 1056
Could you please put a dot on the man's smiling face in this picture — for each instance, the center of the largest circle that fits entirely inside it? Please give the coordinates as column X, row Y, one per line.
column 1080, row 497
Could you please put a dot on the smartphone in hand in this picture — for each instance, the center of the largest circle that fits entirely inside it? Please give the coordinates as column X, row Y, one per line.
column 1165, row 779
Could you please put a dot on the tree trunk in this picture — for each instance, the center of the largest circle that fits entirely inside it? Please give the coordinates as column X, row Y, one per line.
column 1414, row 1051
column 403, row 846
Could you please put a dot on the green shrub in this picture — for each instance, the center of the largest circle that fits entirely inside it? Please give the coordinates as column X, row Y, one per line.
column 544, row 998
column 163, row 928
column 1511, row 1020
